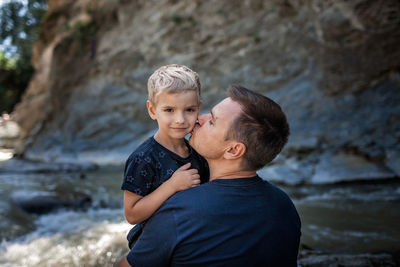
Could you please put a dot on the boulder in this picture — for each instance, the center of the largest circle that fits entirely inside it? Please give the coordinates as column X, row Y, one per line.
column 47, row 203
column 16, row 165
column 312, row 258
column 348, row 168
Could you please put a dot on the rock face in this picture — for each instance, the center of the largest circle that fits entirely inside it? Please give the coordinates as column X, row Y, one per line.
column 317, row 258
column 333, row 66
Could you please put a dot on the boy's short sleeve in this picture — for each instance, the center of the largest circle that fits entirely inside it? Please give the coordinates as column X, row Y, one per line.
column 138, row 175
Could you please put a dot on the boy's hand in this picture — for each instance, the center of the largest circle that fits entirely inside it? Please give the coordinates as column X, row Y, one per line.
column 184, row 178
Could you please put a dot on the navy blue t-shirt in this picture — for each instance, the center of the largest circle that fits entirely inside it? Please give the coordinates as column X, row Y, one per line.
column 226, row 222
column 151, row 164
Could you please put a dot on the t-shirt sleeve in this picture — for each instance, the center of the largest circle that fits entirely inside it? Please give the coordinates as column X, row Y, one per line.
column 157, row 242
column 138, row 175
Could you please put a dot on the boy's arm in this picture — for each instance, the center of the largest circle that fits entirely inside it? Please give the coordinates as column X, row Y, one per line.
column 138, row 208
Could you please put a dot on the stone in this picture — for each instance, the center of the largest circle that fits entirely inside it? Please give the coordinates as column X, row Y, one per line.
column 332, row 66
column 318, row 258
column 9, row 133
column 393, row 160
column 282, row 173
column 48, row 203
column 348, row 168
column 16, row 165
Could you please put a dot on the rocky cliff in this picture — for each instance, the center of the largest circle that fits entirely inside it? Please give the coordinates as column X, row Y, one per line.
column 332, row 65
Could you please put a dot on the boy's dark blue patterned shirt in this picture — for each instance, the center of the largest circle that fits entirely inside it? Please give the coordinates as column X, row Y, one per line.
column 151, row 164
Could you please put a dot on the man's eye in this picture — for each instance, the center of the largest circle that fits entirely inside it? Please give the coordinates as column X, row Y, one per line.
column 211, row 123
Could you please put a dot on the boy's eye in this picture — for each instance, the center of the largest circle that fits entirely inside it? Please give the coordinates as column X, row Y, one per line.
column 168, row 110
column 190, row 110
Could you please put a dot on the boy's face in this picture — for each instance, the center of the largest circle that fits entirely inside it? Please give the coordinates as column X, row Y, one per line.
column 176, row 113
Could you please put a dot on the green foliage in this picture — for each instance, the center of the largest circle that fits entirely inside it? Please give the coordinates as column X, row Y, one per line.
column 19, row 24
column 176, row 18
column 256, row 37
column 187, row 22
column 12, row 77
column 5, row 62
column 83, row 31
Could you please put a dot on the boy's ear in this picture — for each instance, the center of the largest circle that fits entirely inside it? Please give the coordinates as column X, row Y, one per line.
column 200, row 104
column 235, row 150
column 151, row 109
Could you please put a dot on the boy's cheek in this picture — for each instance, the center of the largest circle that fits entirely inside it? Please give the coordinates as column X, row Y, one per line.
column 194, row 118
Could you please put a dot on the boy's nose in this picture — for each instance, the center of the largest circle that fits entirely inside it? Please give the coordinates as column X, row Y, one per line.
column 179, row 118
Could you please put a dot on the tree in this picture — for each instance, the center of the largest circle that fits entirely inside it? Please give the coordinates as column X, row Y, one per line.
column 19, row 24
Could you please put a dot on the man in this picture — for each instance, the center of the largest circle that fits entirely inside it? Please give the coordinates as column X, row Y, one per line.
column 237, row 219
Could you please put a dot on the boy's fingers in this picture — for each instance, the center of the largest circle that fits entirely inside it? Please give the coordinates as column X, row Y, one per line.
column 184, row 167
column 196, row 183
column 193, row 171
column 196, row 176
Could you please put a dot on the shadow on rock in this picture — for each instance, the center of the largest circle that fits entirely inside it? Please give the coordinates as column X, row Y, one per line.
column 46, row 204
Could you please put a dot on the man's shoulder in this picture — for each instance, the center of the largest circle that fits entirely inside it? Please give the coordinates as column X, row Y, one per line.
column 189, row 198
column 276, row 191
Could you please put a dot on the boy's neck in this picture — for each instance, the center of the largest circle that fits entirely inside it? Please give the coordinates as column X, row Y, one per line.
column 178, row 146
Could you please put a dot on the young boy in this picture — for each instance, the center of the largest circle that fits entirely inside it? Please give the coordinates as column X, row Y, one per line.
column 165, row 163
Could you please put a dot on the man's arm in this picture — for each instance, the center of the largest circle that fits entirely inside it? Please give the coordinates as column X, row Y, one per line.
column 157, row 242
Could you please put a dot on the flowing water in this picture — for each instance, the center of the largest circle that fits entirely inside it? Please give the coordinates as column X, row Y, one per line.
column 336, row 218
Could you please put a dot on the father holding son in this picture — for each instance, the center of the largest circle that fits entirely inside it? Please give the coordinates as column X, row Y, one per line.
column 236, row 219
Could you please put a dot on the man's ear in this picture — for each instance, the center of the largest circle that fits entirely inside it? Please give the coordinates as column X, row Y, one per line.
column 151, row 109
column 235, row 150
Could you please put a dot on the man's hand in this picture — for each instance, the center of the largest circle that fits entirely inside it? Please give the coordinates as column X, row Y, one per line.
column 184, row 178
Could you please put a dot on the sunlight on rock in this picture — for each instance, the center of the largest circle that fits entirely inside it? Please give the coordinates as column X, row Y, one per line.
column 5, row 154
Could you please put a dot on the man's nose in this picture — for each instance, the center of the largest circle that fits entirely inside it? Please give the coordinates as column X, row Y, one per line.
column 202, row 118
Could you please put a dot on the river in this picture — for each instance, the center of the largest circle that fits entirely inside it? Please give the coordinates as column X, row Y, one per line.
column 336, row 218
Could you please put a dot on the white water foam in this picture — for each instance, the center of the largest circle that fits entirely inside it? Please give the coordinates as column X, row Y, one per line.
column 92, row 238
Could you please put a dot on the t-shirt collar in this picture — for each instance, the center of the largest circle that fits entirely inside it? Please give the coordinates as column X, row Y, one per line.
column 172, row 154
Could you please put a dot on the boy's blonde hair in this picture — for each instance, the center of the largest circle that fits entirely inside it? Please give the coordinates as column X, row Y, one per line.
column 172, row 78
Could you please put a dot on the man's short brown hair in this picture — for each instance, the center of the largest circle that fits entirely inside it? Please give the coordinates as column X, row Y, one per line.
column 262, row 127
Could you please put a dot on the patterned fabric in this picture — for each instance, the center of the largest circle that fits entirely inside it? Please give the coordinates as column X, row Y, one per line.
column 151, row 164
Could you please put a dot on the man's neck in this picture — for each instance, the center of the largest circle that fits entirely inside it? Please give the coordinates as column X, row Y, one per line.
column 228, row 171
